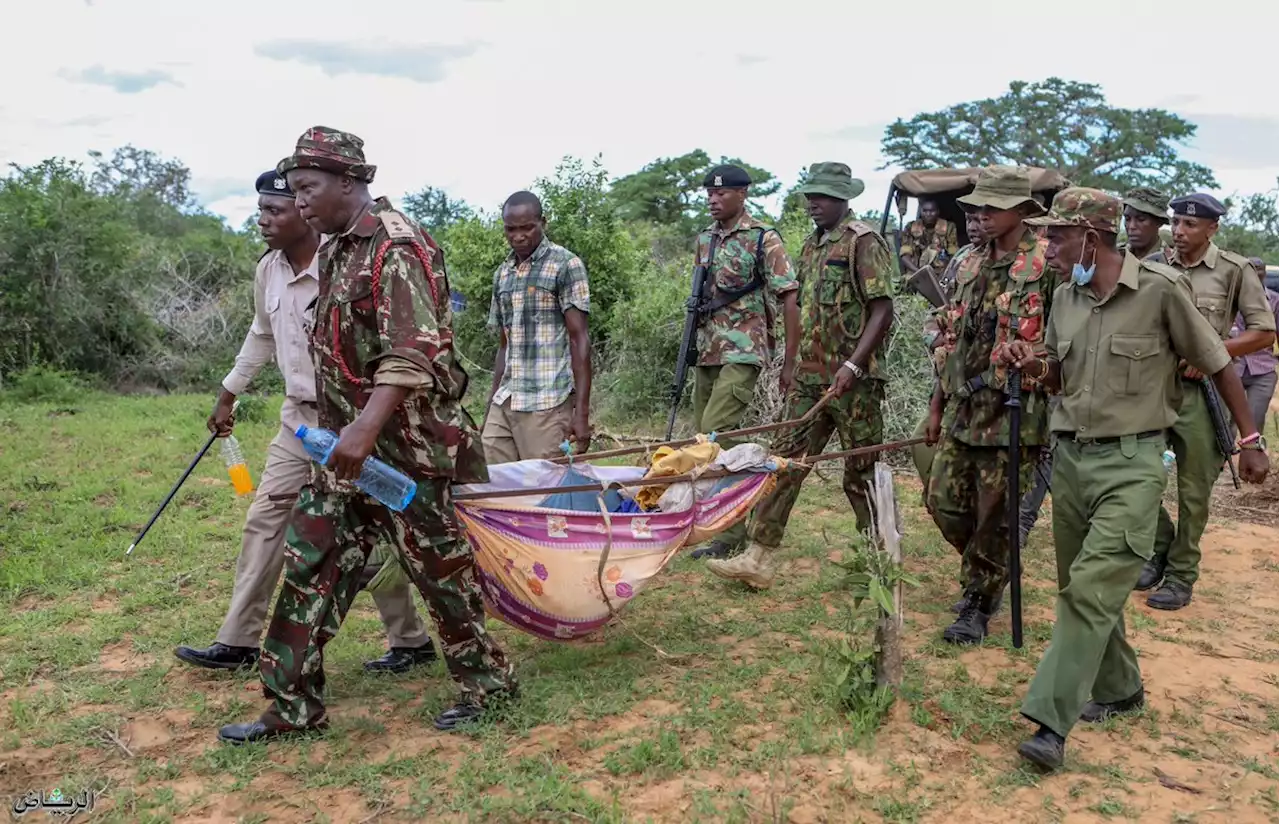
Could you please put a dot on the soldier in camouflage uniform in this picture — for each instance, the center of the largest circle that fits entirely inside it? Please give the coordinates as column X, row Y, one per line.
column 1145, row 211
column 1001, row 295
column 846, row 273
column 388, row 381
column 922, row 453
column 748, row 273
column 928, row 232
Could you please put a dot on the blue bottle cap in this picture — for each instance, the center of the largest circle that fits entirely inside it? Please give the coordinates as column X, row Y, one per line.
column 302, row 431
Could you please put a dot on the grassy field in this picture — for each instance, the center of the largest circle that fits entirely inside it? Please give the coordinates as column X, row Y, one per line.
column 742, row 725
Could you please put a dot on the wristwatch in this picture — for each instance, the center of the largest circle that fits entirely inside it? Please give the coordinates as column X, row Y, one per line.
column 858, row 371
column 1259, row 443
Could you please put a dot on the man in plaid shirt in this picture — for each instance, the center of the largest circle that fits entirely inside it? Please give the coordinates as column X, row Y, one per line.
column 542, row 374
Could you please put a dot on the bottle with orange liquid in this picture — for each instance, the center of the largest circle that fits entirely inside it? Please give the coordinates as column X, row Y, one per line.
column 236, row 467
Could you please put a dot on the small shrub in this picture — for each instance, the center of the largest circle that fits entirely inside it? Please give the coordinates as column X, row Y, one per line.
column 42, row 384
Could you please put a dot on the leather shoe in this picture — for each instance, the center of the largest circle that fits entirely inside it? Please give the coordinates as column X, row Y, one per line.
column 399, row 660
column 715, row 549
column 1172, row 595
column 1045, row 749
column 1096, row 711
column 219, row 656
column 465, row 713
column 252, row 731
column 1152, row 573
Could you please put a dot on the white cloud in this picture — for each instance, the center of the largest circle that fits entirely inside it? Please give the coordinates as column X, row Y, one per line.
column 480, row 98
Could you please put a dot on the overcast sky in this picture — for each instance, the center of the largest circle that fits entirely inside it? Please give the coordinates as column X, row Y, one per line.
column 480, row 97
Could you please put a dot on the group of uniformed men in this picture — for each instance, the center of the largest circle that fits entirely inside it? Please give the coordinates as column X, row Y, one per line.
column 353, row 301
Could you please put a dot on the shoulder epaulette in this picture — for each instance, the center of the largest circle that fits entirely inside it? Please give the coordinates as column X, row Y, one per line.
column 396, row 225
column 1161, row 268
column 1236, row 258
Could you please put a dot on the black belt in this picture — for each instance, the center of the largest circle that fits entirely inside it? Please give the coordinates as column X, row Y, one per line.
column 1139, row 435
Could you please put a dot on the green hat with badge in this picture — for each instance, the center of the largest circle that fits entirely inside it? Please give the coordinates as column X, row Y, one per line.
column 833, row 180
column 1002, row 187
column 1148, row 201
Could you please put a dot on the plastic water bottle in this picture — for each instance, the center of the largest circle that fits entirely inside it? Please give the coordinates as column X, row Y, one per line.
column 1169, row 459
column 377, row 480
column 233, row 456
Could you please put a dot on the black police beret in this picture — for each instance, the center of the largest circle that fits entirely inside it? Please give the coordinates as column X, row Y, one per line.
column 1198, row 205
column 273, row 183
column 726, row 176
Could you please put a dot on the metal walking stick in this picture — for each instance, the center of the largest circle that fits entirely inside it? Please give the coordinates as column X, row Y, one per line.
column 1014, row 403
column 213, row 436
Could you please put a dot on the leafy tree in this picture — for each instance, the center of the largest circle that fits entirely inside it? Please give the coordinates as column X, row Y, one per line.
column 1252, row 226
column 434, row 209
column 669, row 190
column 1059, row 124
column 580, row 217
column 66, row 294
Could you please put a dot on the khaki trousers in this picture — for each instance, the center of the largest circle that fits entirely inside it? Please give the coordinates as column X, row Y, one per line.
column 521, row 436
column 262, row 555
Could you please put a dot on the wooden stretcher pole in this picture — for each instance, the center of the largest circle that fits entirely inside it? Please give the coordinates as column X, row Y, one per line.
column 667, row 480
column 735, row 433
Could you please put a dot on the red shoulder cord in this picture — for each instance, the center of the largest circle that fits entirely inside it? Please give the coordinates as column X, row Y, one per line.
column 376, row 279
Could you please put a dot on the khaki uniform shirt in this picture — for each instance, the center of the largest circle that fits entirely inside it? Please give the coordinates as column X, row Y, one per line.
column 1225, row 284
column 1119, row 354
column 281, row 323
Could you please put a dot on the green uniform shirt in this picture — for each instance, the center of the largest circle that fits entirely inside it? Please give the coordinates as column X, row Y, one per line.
column 742, row 332
column 1225, row 284
column 943, row 239
column 1119, row 354
column 841, row 272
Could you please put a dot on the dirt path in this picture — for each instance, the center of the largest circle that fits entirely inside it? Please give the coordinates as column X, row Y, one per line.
column 686, row 747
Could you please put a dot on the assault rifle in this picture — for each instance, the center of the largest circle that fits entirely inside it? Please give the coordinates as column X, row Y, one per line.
column 1221, row 429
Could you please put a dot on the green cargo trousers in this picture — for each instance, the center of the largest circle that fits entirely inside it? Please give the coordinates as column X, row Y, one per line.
column 858, row 420
column 721, row 395
column 1102, row 534
column 968, row 500
column 1199, row 464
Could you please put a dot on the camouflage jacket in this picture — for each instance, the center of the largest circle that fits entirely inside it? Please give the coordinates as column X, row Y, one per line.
column 742, row 331
column 840, row 273
column 942, row 238
column 995, row 302
column 933, row 326
column 402, row 324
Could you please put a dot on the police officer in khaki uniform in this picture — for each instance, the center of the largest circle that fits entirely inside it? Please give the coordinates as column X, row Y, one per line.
column 285, row 288
column 1223, row 284
column 1116, row 333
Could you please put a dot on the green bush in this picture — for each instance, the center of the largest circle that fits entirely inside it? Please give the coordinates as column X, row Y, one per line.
column 42, row 384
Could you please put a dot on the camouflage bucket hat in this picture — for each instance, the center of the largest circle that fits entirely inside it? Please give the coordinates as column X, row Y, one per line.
column 833, row 180
column 1148, row 201
column 1078, row 206
column 1002, row 187
column 329, row 150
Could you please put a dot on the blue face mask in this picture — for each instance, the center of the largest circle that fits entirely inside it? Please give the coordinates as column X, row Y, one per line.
column 1081, row 276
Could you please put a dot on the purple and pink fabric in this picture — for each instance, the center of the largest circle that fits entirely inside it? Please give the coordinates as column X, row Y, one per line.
column 540, row 568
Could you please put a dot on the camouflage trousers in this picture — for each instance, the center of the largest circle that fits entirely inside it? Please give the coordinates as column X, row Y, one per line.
column 330, row 538
column 968, row 499
column 857, row 419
